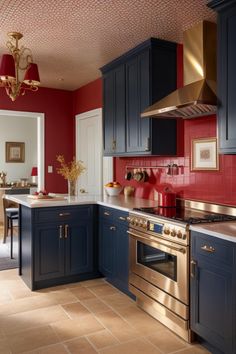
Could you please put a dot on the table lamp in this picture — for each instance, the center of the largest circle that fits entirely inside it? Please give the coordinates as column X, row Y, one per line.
column 34, row 174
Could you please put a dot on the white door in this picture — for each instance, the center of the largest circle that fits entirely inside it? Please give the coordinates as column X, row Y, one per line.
column 89, row 150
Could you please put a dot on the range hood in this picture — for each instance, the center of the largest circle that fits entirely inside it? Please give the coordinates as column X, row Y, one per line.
column 198, row 96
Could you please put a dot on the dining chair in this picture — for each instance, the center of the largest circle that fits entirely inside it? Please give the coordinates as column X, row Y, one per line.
column 11, row 214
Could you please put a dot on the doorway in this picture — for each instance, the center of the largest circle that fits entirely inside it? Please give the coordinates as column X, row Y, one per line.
column 5, row 261
column 89, row 149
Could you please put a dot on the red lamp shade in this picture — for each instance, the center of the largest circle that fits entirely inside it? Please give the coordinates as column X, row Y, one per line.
column 32, row 75
column 34, row 171
column 7, row 67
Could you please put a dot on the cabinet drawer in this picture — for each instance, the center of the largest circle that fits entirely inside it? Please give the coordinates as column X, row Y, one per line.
column 215, row 250
column 113, row 215
column 62, row 214
column 121, row 217
column 106, row 213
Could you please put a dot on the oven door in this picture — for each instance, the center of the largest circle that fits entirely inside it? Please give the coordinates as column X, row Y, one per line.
column 160, row 262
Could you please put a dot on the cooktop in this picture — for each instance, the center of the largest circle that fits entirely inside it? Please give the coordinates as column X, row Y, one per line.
column 187, row 215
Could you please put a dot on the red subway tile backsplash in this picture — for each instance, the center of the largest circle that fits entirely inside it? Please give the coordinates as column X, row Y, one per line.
column 212, row 186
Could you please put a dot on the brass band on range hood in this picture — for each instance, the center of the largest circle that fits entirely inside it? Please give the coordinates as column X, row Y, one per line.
column 198, row 96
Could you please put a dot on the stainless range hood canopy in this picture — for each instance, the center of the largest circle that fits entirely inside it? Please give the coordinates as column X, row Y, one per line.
column 198, row 96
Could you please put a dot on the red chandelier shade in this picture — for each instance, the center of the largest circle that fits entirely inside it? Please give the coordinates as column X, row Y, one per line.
column 32, row 75
column 7, row 67
column 34, row 171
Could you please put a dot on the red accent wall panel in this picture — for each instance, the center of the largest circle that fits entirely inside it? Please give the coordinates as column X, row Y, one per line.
column 57, row 106
column 88, row 97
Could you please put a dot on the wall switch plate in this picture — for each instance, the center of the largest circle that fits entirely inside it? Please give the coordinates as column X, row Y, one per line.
column 50, row 169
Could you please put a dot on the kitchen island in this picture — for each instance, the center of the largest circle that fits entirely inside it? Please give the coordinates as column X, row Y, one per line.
column 58, row 237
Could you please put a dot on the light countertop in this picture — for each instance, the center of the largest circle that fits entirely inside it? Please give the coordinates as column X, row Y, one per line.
column 222, row 230
column 121, row 202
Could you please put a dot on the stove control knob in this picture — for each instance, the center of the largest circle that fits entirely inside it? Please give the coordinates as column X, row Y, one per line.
column 173, row 232
column 132, row 221
column 129, row 218
column 167, row 230
column 184, row 237
column 145, row 223
column 179, row 234
column 136, row 222
column 140, row 222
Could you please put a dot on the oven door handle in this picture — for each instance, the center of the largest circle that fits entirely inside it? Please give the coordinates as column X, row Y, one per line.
column 182, row 249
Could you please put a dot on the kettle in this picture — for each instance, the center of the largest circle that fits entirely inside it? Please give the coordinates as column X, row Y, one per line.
column 166, row 198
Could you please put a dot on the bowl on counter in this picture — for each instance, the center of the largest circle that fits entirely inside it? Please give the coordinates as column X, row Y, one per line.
column 113, row 191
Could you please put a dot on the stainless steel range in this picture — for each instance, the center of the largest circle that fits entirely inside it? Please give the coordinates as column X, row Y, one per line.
column 159, row 262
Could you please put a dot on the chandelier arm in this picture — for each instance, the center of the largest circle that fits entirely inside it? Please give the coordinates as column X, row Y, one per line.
column 28, row 58
column 22, row 58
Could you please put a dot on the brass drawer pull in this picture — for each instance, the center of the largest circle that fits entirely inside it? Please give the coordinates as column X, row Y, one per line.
column 193, row 265
column 64, row 214
column 112, row 228
column 122, row 218
column 106, row 213
column 208, row 249
column 66, row 231
column 60, row 231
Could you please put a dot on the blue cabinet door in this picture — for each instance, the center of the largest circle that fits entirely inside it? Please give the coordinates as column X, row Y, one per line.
column 137, row 99
column 79, row 247
column 122, row 259
column 114, row 247
column 211, row 310
column 114, row 111
column 107, row 248
column 49, row 252
column 213, row 315
column 226, row 84
column 108, row 112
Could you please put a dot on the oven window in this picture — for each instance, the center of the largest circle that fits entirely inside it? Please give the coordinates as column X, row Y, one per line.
column 161, row 262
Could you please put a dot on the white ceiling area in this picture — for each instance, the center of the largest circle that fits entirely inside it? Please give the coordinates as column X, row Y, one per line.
column 71, row 39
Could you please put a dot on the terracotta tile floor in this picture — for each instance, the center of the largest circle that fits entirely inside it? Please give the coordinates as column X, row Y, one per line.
column 86, row 318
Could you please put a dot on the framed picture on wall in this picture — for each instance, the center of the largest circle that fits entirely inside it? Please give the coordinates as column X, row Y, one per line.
column 204, row 155
column 15, row 152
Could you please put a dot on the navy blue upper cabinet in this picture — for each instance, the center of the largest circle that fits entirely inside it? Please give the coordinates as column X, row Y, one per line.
column 226, row 74
column 213, row 304
column 131, row 83
column 114, row 110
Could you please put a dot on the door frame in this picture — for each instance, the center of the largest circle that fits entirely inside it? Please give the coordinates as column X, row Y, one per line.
column 40, row 140
column 89, row 114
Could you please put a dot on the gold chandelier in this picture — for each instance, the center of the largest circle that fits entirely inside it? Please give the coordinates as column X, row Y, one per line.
column 18, row 73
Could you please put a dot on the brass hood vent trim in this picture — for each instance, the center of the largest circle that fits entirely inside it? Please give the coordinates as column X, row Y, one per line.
column 198, row 97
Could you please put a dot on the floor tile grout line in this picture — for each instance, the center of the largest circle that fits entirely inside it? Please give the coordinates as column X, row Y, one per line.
column 102, row 299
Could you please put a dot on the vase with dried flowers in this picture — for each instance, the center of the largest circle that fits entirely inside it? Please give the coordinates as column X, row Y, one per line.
column 71, row 171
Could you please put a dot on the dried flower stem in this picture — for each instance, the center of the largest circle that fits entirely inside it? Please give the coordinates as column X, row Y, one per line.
column 72, row 170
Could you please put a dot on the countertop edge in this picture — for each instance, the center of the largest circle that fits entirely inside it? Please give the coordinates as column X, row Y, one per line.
column 223, row 235
column 121, row 202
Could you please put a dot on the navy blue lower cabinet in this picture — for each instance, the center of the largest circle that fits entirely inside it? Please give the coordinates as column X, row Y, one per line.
column 121, row 278
column 114, row 247
column 79, row 247
column 58, row 245
column 107, row 248
column 49, row 252
column 213, row 292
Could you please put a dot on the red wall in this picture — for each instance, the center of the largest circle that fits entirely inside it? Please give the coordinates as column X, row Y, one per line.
column 57, row 106
column 88, row 97
column 215, row 186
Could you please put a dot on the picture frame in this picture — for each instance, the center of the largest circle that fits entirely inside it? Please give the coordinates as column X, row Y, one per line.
column 15, row 151
column 204, row 155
